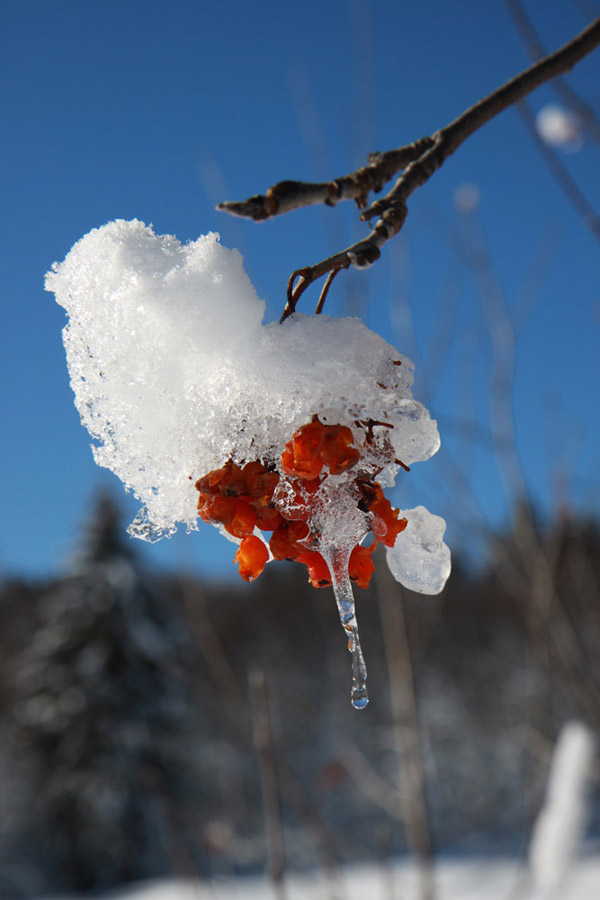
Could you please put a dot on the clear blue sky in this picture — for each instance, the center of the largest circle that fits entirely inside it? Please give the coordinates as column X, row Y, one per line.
column 137, row 108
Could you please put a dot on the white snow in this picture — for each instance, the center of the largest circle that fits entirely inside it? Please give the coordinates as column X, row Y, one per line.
column 560, row 825
column 174, row 373
column 470, row 879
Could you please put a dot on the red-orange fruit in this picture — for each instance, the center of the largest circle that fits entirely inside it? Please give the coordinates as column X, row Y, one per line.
column 251, row 557
column 243, row 519
column 318, row 573
column 395, row 526
column 203, row 500
column 242, row 498
column 385, row 524
column 300, row 456
column 310, row 485
column 336, row 450
column 284, row 540
column 267, row 519
column 218, row 509
column 262, row 487
column 251, row 471
column 361, row 565
column 209, row 483
column 227, row 481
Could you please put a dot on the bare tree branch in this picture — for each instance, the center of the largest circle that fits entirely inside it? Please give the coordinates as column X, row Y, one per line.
column 559, row 171
column 405, row 721
column 286, row 196
column 535, row 48
column 417, row 162
column 269, row 778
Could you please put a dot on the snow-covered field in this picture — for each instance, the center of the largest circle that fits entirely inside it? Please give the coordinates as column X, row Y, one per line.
column 454, row 880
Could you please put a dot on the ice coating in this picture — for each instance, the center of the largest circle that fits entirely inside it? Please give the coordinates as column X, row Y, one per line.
column 337, row 562
column 202, row 410
column 174, row 373
column 420, row 559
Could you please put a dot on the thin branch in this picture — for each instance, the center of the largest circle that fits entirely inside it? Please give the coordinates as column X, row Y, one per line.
column 535, row 48
column 406, row 728
column 325, row 291
column 417, row 162
column 265, row 751
column 286, row 196
column 559, row 171
column 370, row 783
column 232, row 702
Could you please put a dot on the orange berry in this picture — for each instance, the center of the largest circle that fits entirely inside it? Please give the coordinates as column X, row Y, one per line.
column 218, row 509
column 267, row 519
column 311, row 485
column 250, row 472
column 361, row 565
column 241, row 499
column 209, row 484
column 336, row 451
column 385, row 525
column 251, row 557
column 284, row 540
column 243, row 519
column 395, row 528
column 203, row 500
column 262, row 488
column 227, row 481
column 300, row 456
column 318, row 573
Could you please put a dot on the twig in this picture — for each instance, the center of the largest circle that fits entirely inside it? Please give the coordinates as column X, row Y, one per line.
column 524, row 26
column 574, row 195
column 263, row 742
column 541, row 600
column 286, row 196
column 370, row 783
column 232, row 702
column 405, row 718
column 417, row 162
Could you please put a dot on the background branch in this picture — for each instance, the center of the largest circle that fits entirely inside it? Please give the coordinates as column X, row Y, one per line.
column 584, row 112
column 417, row 162
column 560, row 173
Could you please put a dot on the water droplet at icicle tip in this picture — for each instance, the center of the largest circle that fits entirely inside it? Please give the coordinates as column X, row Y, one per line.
column 337, row 561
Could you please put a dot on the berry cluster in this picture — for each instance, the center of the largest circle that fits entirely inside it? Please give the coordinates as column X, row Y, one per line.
column 242, row 498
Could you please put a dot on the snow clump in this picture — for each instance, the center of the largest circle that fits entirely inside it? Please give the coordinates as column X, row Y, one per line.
column 175, row 375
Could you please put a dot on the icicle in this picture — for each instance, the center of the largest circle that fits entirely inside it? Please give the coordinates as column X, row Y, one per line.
column 337, row 562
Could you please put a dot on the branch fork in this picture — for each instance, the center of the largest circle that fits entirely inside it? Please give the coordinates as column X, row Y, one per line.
column 416, row 162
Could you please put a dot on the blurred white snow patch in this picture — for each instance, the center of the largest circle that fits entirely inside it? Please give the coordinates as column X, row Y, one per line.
column 465, row 879
column 174, row 372
column 560, row 825
column 559, row 127
column 467, row 197
column 419, row 559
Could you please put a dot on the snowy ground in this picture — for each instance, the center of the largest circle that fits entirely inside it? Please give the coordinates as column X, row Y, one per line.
column 454, row 880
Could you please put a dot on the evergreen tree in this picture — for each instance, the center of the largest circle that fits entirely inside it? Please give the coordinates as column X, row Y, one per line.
column 101, row 716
